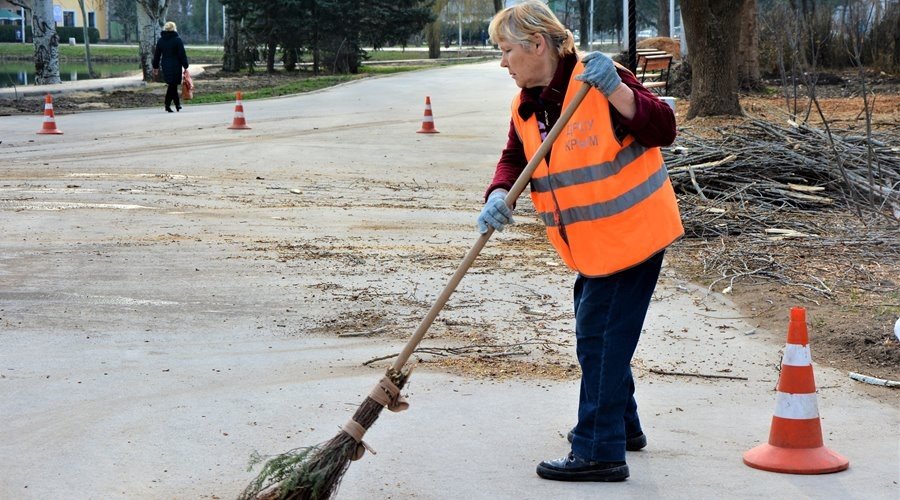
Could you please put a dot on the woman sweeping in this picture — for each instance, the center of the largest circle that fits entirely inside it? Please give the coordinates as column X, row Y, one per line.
column 170, row 50
column 605, row 196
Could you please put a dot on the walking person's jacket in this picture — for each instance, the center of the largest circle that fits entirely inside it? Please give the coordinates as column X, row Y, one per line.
column 170, row 50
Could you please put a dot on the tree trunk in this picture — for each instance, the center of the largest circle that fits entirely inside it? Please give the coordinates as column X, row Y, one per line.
column 712, row 32
column 896, row 57
column 149, row 12
column 87, row 40
column 46, row 43
column 748, row 47
column 433, row 35
column 662, row 25
column 271, row 48
column 498, row 5
column 231, row 59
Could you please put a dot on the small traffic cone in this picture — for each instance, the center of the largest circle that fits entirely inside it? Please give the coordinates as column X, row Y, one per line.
column 239, row 123
column 49, row 126
column 795, row 438
column 428, row 121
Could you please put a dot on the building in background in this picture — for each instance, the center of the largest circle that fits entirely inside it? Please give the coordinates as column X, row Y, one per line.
column 65, row 12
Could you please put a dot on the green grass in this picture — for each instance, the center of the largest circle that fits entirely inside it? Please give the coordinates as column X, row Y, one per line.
column 389, row 70
column 396, row 55
column 298, row 87
column 104, row 53
column 207, row 55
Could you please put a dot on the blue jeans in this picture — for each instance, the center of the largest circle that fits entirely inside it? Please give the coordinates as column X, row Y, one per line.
column 609, row 315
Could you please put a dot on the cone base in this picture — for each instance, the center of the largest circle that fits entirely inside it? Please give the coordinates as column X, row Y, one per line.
column 427, row 131
column 239, row 127
column 819, row 460
column 54, row 131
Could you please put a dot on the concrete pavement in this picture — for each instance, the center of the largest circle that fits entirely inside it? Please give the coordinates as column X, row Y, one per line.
column 173, row 293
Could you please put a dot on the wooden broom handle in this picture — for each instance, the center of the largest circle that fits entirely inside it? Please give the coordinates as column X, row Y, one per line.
column 470, row 257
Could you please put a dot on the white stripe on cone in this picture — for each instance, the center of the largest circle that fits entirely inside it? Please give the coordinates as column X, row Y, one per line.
column 428, row 119
column 239, row 115
column 796, row 406
column 796, row 355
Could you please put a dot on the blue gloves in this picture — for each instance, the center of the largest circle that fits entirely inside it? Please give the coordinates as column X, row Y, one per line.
column 495, row 212
column 600, row 72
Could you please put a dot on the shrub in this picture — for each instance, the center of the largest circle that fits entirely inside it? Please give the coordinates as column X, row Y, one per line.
column 8, row 34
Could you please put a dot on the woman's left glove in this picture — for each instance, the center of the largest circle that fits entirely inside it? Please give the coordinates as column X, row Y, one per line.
column 495, row 212
column 600, row 72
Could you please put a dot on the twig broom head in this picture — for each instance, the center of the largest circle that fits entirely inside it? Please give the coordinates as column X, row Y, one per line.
column 314, row 473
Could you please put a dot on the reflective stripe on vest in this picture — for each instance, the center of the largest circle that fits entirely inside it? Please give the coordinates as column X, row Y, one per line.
column 591, row 173
column 612, row 207
column 607, row 205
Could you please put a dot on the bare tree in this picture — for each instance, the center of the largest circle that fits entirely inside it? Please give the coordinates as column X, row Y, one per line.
column 45, row 38
column 584, row 18
column 87, row 39
column 232, row 62
column 712, row 29
column 433, row 30
column 662, row 24
column 748, row 47
column 149, row 13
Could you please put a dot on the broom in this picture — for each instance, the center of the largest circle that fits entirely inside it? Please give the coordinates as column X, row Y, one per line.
column 314, row 473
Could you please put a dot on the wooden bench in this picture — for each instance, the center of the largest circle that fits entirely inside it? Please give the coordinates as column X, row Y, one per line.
column 653, row 71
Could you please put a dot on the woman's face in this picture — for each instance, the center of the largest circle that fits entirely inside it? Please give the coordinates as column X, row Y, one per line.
column 527, row 63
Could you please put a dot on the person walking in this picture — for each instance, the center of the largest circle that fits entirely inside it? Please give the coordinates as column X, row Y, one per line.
column 604, row 194
column 170, row 51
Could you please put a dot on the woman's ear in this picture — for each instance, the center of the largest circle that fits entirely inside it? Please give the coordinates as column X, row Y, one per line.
column 540, row 44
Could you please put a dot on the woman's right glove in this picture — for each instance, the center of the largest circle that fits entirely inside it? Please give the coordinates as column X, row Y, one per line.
column 495, row 212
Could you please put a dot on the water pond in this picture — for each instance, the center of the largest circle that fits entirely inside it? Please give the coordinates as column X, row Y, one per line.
column 21, row 73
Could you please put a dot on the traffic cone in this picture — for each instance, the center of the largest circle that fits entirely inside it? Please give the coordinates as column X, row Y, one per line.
column 795, row 438
column 428, row 121
column 239, row 123
column 49, row 126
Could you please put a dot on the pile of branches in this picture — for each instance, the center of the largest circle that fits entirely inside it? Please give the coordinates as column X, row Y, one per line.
column 756, row 185
column 756, row 171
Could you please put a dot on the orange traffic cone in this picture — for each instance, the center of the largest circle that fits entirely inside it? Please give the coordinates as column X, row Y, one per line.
column 239, row 123
column 49, row 120
column 795, row 438
column 428, row 121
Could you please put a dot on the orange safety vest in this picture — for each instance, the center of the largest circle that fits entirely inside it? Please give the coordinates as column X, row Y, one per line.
column 607, row 205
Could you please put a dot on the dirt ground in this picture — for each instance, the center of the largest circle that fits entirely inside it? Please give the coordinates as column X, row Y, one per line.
column 851, row 327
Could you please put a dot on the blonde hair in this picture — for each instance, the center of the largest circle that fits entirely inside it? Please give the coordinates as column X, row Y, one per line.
column 518, row 23
column 169, row 26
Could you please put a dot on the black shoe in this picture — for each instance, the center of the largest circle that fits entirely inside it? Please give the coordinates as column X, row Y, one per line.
column 169, row 109
column 575, row 468
column 632, row 443
column 177, row 107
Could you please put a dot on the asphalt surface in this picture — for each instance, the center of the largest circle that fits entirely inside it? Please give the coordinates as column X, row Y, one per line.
column 171, row 293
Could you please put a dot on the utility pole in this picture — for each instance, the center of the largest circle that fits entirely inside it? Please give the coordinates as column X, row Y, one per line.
column 591, row 28
column 672, row 18
column 459, row 21
column 207, row 22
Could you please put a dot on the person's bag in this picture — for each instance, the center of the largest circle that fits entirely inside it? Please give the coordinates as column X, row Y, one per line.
column 187, row 88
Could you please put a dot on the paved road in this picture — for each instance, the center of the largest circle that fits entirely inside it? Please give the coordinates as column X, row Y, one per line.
column 172, row 290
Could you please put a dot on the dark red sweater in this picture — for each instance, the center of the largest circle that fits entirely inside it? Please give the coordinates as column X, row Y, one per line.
column 653, row 123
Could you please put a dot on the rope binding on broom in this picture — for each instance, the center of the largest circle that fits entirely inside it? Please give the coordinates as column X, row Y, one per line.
column 387, row 394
